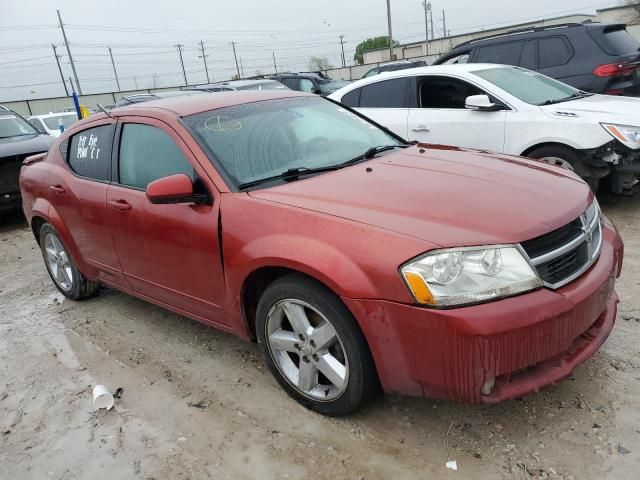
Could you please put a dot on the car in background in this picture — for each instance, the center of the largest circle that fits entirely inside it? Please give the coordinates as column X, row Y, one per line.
column 147, row 97
column 233, row 85
column 395, row 66
column 356, row 260
column 310, row 82
column 594, row 57
column 53, row 123
column 509, row 110
column 18, row 140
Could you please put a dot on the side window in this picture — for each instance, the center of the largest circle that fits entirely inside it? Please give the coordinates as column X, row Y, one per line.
column 90, row 152
column 553, row 52
column 445, row 92
column 386, row 94
column 352, row 99
column 372, row 72
column 505, row 53
column 292, row 83
column 529, row 58
column 36, row 123
column 462, row 58
column 306, row 85
column 147, row 154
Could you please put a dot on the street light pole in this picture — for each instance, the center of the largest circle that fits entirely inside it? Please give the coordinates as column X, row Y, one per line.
column 390, row 31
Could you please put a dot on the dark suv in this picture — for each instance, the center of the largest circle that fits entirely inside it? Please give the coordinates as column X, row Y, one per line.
column 18, row 140
column 310, row 82
column 594, row 57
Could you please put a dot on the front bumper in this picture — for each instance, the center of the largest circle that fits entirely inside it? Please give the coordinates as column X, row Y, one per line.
column 524, row 343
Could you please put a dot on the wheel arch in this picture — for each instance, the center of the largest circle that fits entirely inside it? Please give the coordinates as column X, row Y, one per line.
column 532, row 148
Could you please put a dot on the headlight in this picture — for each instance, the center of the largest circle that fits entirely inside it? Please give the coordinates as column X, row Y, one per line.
column 456, row 277
column 627, row 134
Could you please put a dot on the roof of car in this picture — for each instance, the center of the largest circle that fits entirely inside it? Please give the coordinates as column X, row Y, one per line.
column 242, row 83
column 426, row 70
column 192, row 104
column 53, row 114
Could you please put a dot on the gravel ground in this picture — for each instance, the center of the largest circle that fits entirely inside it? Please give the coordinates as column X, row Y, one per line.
column 199, row 403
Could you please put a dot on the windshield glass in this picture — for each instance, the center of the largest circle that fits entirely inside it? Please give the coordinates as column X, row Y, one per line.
column 620, row 42
column 67, row 121
column 13, row 126
column 262, row 139
column 528, row 86
column 264, row 86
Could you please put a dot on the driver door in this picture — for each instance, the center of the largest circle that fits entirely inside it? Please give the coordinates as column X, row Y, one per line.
column 168, row 252
column 438, row 116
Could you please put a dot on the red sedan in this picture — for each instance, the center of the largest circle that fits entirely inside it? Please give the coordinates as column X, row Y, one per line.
column 356, row 260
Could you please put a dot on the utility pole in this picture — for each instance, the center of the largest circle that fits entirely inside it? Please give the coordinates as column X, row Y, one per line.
column 135, row 81
column 204, row 59
column 114, row 69
column 241, row 68
column 179, row 47
column 427, row 9
column 444, row 25
column 275, row 67
column 344, row 61
column 233, row 44
column 64, row 83
column 390, row 32
column 66, row 44
column 433, row 32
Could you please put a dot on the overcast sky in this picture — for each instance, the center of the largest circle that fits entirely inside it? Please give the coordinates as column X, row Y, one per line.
column 142, row 34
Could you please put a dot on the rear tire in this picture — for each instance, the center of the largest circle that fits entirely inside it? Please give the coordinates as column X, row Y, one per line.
column 313, row 346
column 63, row 271
column 568, row 158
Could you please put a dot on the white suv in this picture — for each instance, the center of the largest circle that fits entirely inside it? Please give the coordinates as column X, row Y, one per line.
column 508, row 110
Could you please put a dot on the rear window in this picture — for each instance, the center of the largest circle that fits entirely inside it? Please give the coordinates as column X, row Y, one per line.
column 90, row 152
column 505, row 53
column 619, row 42
column 386, row 94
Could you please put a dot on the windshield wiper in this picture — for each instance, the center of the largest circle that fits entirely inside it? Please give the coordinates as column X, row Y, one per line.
column 370, row 153
column 288, row 175
column 296, row 173
column 573, row 96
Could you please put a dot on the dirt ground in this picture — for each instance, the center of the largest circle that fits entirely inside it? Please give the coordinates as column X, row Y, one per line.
column 199, row 403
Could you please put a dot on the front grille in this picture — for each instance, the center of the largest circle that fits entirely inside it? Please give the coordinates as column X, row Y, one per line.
column 10, row 173
column 563, row 254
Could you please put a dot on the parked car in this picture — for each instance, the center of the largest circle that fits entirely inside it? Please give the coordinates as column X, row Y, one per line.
column 594, row 57
column 310, row 82
column 353, row 258
column 53, row 123
column 233, row 85
column 147, row 97
column 394, row 67
column 508, row 110
column 18, row 140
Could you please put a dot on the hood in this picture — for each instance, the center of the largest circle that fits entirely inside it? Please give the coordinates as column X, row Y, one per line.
column 26, row 144
column 444, row 195
column 599, row 108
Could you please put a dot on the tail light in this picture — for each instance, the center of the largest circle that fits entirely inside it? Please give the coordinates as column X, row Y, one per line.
column 614, row 70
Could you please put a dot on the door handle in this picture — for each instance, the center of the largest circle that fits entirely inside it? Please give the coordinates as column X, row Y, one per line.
column 121, row 205
column 421, row 128
column 58, row 189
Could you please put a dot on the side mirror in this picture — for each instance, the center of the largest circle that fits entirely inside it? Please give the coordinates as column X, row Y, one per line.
column 173, row 189
column 481, row 103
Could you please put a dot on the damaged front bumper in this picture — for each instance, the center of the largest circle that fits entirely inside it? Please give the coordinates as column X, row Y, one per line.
column 619, row 162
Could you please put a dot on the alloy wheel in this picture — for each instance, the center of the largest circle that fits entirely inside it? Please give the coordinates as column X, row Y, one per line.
column 307, row 350
column 558, row 162
column 58, row 262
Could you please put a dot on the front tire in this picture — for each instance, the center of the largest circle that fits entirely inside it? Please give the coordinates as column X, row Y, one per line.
column 314, row 347
column 568, row 158
column 62, row 270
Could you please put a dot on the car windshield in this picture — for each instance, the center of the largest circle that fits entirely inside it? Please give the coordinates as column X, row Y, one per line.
column 263, row 86
column 262, row 139
column 52, row 123
column 14, row 126
column 528, row 86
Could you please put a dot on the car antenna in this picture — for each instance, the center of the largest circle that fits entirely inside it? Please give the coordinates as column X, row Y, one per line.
column 104, row 110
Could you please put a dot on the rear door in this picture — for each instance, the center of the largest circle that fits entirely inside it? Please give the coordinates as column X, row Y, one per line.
column 554, row 55
column 438, row 115
column 385, row 102
column 170, row 252
column 78, row 193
